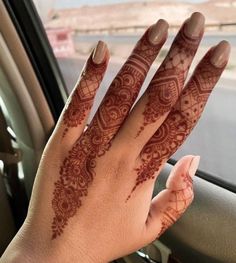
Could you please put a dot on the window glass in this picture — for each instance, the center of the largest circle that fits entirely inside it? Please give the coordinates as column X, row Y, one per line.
column 73, row 28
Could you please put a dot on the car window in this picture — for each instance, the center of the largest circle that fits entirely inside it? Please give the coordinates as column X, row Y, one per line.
column 74, row 27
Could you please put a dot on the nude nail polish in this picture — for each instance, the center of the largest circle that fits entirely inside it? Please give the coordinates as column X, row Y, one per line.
column 220, row 54
column 194, row 165
column 99, row 52
column 194, row 25
column 158, row 31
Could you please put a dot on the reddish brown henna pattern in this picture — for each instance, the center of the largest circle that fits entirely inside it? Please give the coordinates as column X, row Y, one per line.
column 180, row 121
column 124, row 89
column 76, row 174
column 166, row 85
column 177, row 204
column 77, row 171
column 82, row 98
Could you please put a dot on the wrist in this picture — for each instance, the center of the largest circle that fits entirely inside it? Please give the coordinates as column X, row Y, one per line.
column 27, row 247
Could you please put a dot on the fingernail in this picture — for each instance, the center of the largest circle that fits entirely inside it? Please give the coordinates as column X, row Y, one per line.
column 194, row 165
column 194, row 25
column 220, row 54
column 99, row 52
column 158, row 31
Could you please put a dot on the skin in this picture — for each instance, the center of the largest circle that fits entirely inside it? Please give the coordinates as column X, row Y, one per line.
column 92, row 197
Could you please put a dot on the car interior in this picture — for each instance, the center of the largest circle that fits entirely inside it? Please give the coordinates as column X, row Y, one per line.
column 33, row 91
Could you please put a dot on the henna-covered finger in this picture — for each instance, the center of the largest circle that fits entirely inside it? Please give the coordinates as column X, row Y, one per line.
column 168, row 206
column 165, row 87
column 76, row 111
column 125, row 87
column 77, row 171
column 184, row 115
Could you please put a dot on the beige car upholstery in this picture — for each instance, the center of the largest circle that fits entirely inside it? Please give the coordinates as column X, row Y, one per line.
column 26, row 110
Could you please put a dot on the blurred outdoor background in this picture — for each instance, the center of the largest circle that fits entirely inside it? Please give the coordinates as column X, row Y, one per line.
column 74, row 27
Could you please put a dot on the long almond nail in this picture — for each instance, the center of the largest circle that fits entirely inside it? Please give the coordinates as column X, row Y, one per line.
column 158, row 31
column 99, row 52
column 220, row 54
column 194, row 165
column 194, row 25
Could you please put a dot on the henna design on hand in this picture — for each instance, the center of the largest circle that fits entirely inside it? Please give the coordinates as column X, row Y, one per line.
column 178, row 203
column 165, row 87
column 76, row 174
column 124, row 89
column 180, row 121
column 77, row 170
column 81, row 101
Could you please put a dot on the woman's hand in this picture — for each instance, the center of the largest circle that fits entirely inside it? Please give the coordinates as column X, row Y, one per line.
column 92, row 197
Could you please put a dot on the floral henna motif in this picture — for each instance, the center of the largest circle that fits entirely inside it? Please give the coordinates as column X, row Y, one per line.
column 72, row 185
column 178, row 202
column 77, row 170
column 166, row 140
column 82, row 98
column 166, row 85
column 125, row 88
column 180, row 121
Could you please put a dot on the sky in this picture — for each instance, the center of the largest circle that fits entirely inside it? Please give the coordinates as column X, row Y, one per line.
column 75, row 3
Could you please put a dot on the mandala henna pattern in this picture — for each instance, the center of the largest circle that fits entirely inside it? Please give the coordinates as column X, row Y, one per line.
column 77, row 170
column 125, row 87
column 82, row 98
column 180, row 121
column 165, row 87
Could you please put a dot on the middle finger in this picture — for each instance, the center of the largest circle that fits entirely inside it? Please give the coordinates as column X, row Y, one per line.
column 125, row 87
column 165, row 87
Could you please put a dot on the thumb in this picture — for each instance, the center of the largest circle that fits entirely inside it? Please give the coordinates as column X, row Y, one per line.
column 168, row 206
